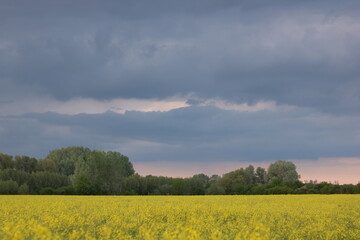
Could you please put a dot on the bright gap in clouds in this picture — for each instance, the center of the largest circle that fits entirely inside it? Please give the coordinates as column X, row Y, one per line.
column 120, row 105
column 89, row 106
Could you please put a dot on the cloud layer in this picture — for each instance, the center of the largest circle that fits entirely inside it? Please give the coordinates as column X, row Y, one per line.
column 303, row 54
column 195, row 133
column 176, row 81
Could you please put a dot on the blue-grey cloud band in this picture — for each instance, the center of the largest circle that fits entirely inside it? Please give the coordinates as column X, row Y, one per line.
column 302, row 54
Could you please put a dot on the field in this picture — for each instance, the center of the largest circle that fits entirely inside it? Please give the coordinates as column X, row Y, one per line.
column 186, row 217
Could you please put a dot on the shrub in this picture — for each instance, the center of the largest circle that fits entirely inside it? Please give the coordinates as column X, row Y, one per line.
column 67, row 190
column 8, row 187
column 47, row 191
column 23, row 189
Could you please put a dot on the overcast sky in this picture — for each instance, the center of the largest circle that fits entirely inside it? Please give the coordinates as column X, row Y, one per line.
column 183, row 87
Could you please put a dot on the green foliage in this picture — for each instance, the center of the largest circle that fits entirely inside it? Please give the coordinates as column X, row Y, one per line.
column 347, row 189
column 242, row 189
column 84, row 187
column 134, row 185
column 8, row 187
column 178, row 186
column 279, row 190
column 233, row 181
column 106, row 170
column 26, row 164
column 165, row 189
column 79, row 170
column 47, row 191
column 196, row 186
column 6, row 161
column 23, row 189
column 259, row 190
column 47, row 165
column 20, row 177
column 66, row 190
column 276, row 182
column 203, row 178
column 215, row 189
column 329, row 189
column 151, row 185
column 283, row 170
column 214, row 178
column 260, row 175
column 40, row 180
column 65, row 159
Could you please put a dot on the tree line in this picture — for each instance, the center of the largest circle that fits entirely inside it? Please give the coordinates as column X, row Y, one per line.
column 82, row 171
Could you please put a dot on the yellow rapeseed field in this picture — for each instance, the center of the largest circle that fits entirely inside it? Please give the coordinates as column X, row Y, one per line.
column 180, row 217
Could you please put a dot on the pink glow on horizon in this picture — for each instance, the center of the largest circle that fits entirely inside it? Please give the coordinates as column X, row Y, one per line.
column 188, row 169
column 342, row 170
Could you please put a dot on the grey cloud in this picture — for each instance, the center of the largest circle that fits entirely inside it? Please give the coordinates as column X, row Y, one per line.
column 302, row 53
column 190, row 134
column 24, row 136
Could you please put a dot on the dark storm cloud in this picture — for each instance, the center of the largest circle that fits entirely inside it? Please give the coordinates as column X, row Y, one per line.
column 299, row 53
column 189, row 134
column 302, row 53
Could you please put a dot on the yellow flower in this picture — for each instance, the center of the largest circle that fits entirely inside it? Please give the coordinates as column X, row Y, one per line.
column 180, row 217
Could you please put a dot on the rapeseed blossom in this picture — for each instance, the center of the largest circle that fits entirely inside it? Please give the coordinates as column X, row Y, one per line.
column 180, row 217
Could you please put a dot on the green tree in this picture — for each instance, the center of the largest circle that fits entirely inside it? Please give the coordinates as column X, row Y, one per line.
column 66, row 190
column 283, row 170
column 198, row 184
column 178, row 186
column 166, row 189
column 23, row 189
column 83, row 186
column 40, row 180
column 203, row 178
column 215, row 189
column 105, row 170
column 279, row 190
column 250, row 174
column 8, row 187
column 65, row 159
column 47, row 165
column 134, row 185
column 47, row 191
column 236, row 180
column 26, row 164
column 20, row 177
column 6, row 161
column 260, row 175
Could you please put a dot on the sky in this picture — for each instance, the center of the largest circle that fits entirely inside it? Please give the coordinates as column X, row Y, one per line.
column 184, row 87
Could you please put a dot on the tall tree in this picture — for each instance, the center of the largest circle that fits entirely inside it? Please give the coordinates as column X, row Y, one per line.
column 284, row 171
column 238, row 180
column 260, row 175
column 250, row 174
column 105, row 170
column 26, row 164
column 6, row 161
column 65, row 159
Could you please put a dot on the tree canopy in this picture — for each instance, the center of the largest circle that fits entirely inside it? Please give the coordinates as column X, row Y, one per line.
column 284, row 171
column 80, row 170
